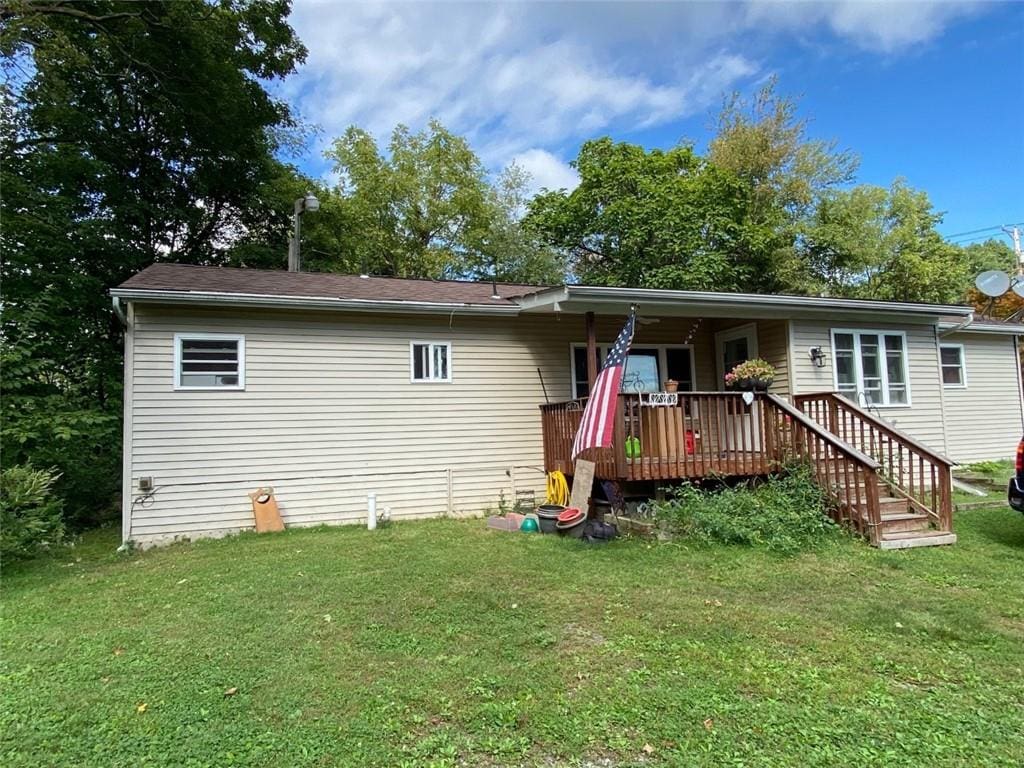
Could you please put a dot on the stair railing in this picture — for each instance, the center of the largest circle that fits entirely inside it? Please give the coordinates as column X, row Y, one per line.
column 915, row 472
column 848, row 476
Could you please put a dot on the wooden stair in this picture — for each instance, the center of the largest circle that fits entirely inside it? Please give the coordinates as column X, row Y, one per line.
column 903, row 526
column 903, row 493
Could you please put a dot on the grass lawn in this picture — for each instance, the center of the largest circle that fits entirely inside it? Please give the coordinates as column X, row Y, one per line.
column 439, row 643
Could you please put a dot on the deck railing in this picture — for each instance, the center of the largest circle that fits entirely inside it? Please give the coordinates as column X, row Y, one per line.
column 704, row 434
column 699, row 434
column 847, row 475
column 914, row 471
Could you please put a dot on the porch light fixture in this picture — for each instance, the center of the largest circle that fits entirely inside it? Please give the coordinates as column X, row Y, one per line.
column 817, row 355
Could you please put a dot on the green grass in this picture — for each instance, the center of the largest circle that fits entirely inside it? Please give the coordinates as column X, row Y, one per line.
column 988, row 476
column 439, row 643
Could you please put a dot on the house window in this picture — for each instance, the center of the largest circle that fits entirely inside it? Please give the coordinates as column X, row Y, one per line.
column 871, row 366
column 430, row 361
column 954, row 371
column 646, row 368
column 209, row 361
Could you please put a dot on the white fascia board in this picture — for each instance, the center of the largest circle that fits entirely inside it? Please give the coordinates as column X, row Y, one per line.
column 213, row 298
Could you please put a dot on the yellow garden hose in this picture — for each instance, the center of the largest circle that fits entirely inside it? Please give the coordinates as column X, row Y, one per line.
column 558, row 489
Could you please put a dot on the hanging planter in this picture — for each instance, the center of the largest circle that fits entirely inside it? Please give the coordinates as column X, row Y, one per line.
column 750, row 376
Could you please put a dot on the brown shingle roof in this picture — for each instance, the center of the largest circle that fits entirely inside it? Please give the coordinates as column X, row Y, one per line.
column 265, row 282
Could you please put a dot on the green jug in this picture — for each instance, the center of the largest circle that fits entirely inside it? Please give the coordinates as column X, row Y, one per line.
column 632, row 447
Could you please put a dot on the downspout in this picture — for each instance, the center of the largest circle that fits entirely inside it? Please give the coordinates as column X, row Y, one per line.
column 119, row 311
column 960, row 327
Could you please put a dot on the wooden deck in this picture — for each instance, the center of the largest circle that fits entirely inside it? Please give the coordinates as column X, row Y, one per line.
column 703, row 434
column 882, row 483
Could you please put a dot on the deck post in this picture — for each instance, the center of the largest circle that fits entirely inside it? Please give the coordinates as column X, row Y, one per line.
column 591, row 351
column 619, row 437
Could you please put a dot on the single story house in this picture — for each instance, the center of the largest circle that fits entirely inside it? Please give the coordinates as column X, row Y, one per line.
column 445, row 397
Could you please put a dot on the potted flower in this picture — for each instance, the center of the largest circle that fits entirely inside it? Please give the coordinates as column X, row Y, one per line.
column 671, row 385
column 750, row 376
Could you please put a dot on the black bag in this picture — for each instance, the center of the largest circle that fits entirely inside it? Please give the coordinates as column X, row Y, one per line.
column 595, row 530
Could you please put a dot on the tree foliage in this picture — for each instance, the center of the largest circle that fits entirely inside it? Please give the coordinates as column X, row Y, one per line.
column 882, row 243
column 421, row 208
column 132, row 133
column 653, row 218
column 427, row 208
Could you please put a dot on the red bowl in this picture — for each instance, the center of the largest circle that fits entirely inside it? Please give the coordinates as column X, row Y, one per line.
column 570, row 515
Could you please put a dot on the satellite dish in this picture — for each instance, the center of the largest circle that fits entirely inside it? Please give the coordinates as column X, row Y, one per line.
column 1018, row 287
column 993, row 283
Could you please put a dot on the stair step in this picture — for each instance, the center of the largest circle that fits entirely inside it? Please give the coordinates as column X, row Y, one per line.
column 909, row 539
column 898, row 522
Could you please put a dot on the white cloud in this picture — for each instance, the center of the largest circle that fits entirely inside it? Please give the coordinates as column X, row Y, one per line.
column 532, row 80
column 546, row 170
column 886, row 26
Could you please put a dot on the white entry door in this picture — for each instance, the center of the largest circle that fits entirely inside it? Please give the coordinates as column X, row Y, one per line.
column 732, row 347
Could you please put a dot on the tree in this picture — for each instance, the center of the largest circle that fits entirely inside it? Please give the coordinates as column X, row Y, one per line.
column 764, row 143
column 882, row 243
column 512, row 252
column 654, row 218
column 419, row 211
column 132, row 133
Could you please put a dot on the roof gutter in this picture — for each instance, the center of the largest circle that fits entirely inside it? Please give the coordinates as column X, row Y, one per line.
column 216, row 298
column 606, row 294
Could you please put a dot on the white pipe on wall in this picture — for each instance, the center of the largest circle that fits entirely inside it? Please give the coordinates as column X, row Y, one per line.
column 371, row 511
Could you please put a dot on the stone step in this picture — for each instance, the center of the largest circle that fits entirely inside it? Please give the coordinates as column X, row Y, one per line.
column 910, row 539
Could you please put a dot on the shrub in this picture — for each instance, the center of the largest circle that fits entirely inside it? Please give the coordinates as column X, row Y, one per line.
column 31, row 515
column 785, row 513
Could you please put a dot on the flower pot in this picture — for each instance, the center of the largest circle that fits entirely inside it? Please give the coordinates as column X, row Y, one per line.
column 671, row 385
column 749, row 385
column 547, row 517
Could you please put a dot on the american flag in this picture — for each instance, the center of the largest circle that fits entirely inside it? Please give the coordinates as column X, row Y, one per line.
column 599, row 416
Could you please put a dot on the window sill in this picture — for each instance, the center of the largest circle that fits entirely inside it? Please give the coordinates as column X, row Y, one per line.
column 209, row 389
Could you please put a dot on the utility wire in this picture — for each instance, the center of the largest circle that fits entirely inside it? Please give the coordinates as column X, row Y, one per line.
column 993, row 232
column 976, row 238
column 972, row 232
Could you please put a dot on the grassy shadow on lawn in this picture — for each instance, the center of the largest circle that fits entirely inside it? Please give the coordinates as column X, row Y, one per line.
column 439, row 643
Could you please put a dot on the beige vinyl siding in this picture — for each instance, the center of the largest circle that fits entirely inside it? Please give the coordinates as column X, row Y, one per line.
column 922, row 419
column 773, row 346
column 984, row 419
column 329, row 414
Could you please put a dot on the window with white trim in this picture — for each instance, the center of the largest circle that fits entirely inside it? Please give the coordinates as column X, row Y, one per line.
column 871, row 366
column 647, row 367
column 209, row 361
column 954, row 368
column 430, row 361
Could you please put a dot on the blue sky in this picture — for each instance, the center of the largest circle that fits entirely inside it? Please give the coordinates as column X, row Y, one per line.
column 930, row 91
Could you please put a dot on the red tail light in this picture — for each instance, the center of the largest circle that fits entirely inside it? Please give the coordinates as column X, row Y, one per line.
column 1020, row 457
